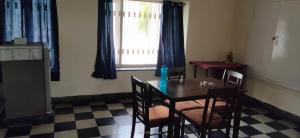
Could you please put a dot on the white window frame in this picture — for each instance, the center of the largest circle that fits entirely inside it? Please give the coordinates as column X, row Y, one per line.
column 120, row 50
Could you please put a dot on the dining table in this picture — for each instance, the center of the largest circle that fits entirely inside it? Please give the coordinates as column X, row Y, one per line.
column 189, row 89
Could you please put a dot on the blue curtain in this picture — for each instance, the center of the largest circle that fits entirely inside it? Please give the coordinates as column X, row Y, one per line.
column 41, row 25
column 2, row 17
column 55, row 70
column 105, row 66
column 171, row 45
column 37, row 21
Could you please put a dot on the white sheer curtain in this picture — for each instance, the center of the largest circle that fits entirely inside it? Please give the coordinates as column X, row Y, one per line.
column 117, row 7
column 13, row 20
column 136, row 32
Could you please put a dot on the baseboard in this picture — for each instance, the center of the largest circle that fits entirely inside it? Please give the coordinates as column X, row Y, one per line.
column 89, row 98
column 283, row 114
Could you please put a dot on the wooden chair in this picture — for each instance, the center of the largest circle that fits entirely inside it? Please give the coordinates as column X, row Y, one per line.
column 210, row 117
column 178, row 73
column 229, row 77
column 233, row 77
column 150, row 116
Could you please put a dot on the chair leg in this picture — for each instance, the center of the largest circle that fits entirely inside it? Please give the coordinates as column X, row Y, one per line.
column 160, row 131
column 228, row 129
column 203, row 133
column 147, row 132
column 133, row 124
column 209, row 133
column 182, row 127
column 227, row 133
column 177, row 128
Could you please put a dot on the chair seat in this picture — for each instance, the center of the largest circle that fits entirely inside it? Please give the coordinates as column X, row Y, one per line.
column 196, row 116
column 219, row 103
column 158, row 115
column 186, row 105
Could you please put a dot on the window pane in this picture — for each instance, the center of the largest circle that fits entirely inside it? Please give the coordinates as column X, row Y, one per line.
column 117, row 28
column 141, row 31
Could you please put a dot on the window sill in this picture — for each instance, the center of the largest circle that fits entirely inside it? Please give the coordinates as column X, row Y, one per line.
column 136, row 68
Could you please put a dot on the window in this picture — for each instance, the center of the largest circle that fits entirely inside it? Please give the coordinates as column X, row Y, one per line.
column 136, row 32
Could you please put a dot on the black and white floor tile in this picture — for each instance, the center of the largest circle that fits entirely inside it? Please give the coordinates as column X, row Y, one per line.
column 112, row 119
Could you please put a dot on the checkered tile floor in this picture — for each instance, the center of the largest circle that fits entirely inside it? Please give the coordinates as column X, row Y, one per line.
column 112, row 119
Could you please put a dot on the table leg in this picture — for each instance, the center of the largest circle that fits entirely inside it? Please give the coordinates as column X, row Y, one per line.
column 195, row 71
column 206, row 73
column 171, row 119
column 237, row 118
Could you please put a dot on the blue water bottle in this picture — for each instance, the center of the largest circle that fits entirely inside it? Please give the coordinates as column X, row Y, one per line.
column 163, row 76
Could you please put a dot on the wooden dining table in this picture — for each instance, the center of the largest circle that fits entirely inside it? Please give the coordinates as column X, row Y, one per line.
column 189, row 89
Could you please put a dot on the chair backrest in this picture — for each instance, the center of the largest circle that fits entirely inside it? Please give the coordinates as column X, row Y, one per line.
column 176, row 73
column 233, row 77
column 228, row 95
column 140, row 98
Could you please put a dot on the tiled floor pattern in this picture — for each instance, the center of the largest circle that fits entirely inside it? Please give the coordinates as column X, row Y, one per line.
column 112, row 119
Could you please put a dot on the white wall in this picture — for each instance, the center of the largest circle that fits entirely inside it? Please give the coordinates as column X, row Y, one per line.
column 78, row 44
column 208, row 38
column 210, row 30
column 278, row 96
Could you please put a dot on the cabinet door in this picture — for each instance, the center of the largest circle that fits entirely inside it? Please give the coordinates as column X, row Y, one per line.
column 24, row 88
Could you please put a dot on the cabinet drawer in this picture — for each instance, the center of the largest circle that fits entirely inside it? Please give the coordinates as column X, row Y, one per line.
column 6, row 54
column 21, row 54
column 36, row 54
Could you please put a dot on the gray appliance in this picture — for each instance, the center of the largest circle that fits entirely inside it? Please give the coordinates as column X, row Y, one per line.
column 25, row 81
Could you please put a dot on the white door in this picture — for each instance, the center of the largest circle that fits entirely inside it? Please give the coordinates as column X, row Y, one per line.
column 276, row 60
column 285, row 63
column 259, row 49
